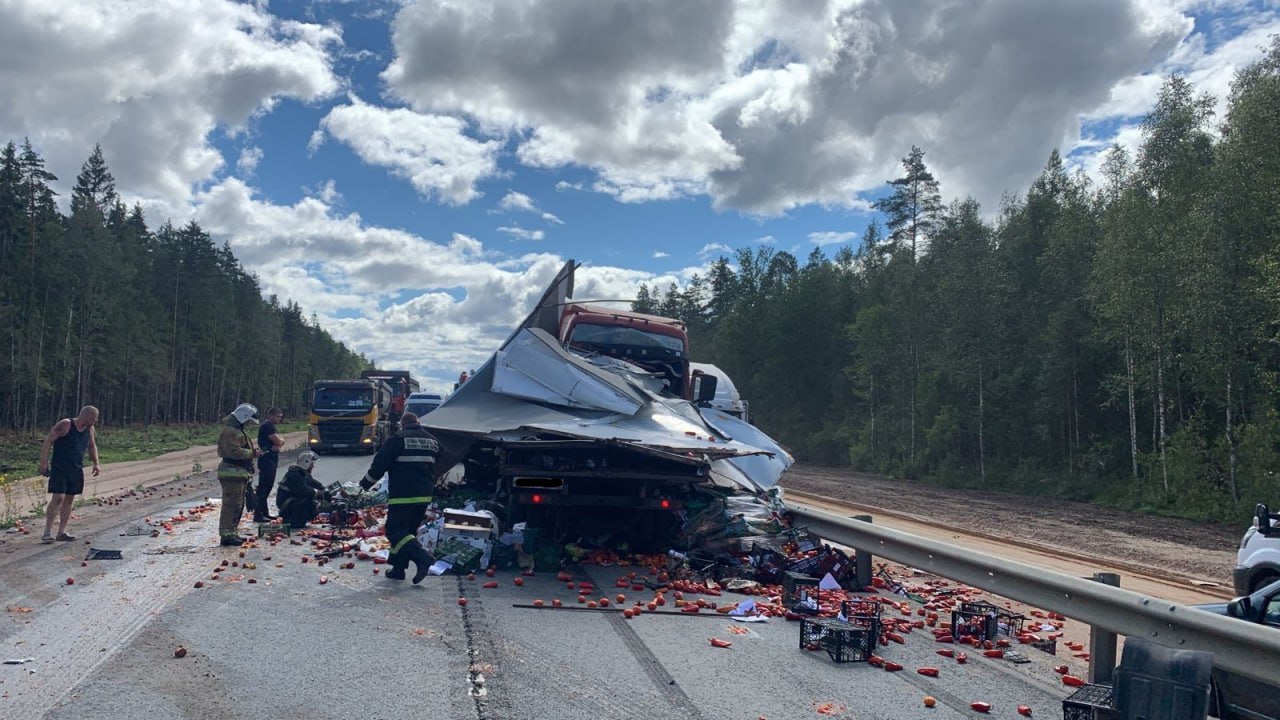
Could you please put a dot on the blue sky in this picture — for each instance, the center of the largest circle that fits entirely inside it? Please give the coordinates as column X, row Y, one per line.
column 414, row 172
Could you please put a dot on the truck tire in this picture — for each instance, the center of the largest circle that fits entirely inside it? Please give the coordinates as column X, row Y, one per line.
column 1262, row 580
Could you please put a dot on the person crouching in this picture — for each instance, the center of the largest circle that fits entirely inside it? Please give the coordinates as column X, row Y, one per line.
column 299, row 495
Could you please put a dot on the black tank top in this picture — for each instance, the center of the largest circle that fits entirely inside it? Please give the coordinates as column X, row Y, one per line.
column 68, row 450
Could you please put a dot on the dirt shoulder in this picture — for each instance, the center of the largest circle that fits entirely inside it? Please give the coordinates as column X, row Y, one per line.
column 1194, row 550
column 24, row 497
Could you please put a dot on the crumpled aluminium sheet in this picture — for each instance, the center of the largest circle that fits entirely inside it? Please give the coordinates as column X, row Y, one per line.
column 533, row 387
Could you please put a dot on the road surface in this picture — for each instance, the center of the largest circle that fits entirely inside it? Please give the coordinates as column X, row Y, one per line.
column 273, row 641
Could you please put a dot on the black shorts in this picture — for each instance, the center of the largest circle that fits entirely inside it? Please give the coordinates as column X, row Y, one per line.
column 64, row 481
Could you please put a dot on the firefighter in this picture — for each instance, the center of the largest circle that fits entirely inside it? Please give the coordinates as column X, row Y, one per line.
column 409, row 459
column 299, row 495
column 235, row 470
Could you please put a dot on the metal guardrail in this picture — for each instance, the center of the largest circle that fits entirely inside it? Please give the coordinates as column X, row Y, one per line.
column 1237, row 646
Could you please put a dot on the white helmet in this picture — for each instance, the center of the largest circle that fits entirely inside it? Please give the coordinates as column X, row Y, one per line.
column 245, row 413
column 306, row 460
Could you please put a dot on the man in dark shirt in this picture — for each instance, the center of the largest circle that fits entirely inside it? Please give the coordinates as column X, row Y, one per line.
column 270, row 442
column 69, row 439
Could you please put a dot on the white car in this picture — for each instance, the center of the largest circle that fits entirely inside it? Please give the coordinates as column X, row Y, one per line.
column 421, row 403
column 1258, row 562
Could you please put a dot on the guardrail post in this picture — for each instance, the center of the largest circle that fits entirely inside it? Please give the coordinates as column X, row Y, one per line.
column 1102, row 643
column 862, row 560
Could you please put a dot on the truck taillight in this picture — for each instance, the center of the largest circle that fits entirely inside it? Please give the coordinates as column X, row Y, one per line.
column 665, row 504
column 537, row 499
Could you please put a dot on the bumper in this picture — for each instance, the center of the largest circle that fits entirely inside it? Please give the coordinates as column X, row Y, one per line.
column 1240, row 579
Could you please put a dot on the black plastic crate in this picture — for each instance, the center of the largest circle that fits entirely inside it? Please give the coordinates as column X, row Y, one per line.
column 769, row 564
column 843, row 642
column 806, row 565
column 1050, row 646
column 1090, row 702
column 837, row 564
column 978, row 620
column 796, row 589
column 801, row 540
column 1009, row 623
column 863, row 612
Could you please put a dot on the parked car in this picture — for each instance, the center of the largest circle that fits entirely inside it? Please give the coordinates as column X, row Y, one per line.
column 1258, row 562
column 421, row 403
column 1234, row 697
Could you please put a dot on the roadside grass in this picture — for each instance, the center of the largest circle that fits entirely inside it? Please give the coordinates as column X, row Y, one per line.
column 20, row 455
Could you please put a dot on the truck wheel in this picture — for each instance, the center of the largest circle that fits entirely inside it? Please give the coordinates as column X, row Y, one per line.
column 1262, row 580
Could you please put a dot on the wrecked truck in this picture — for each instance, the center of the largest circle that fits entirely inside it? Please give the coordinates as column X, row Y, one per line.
column 585, row 424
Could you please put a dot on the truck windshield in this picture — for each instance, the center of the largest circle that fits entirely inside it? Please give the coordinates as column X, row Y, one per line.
column 617, row 336
column 338, row 398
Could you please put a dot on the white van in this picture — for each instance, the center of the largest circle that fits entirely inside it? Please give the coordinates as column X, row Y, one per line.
column 1258, row 562
column 421, row 403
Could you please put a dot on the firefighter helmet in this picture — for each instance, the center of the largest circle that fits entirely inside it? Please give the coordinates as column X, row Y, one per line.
column 245, row 413
column 306, row 460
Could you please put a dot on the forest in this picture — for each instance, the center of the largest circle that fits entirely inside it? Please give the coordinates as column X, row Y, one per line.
column 151, row 325
column 1112, row 341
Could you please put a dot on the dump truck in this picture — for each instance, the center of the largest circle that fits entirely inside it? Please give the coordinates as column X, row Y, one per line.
column 402, row 386
column 585, row 423
column 351, row 415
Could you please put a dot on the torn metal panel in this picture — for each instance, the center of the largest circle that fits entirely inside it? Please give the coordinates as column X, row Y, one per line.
column 534, row 390
column 763, row 469
column 533, row 366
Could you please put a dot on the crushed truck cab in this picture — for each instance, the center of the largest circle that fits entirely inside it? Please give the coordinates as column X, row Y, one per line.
column 586, row 422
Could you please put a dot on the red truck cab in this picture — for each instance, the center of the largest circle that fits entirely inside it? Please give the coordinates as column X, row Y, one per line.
column 658, row 344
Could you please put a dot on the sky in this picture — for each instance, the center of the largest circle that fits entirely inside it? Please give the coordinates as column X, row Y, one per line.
column 415, row 172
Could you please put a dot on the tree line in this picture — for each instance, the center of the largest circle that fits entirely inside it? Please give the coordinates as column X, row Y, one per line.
column 151, row 326
column 1112, row 340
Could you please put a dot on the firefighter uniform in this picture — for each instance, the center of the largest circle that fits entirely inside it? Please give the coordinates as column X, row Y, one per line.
column 235, row 470
column 300, row 494
column 409, row 461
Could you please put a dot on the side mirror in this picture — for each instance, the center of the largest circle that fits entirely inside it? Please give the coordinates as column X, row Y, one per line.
column 307, row 395
column 1238, row 608
column 704, row 388
column 1262, row 520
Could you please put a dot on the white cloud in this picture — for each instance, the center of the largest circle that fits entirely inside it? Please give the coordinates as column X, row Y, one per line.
column 150, row 82
column 1209, row 70
column 765, row 240
column 520, row 233
column 831, row 237
column 431, row 306
column 767, row 106
column 563, row 185
column 714, row 249
column 658, row 255
column 515, row 201
column 247, row 163
column 433, row 152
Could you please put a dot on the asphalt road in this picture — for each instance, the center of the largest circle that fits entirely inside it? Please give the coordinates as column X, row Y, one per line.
column 287, row 646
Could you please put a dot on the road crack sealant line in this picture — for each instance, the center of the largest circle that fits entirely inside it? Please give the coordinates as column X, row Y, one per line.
column 1182, row 582
column 477, row 683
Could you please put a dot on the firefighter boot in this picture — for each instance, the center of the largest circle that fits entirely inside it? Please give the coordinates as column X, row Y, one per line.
column 422, row 559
